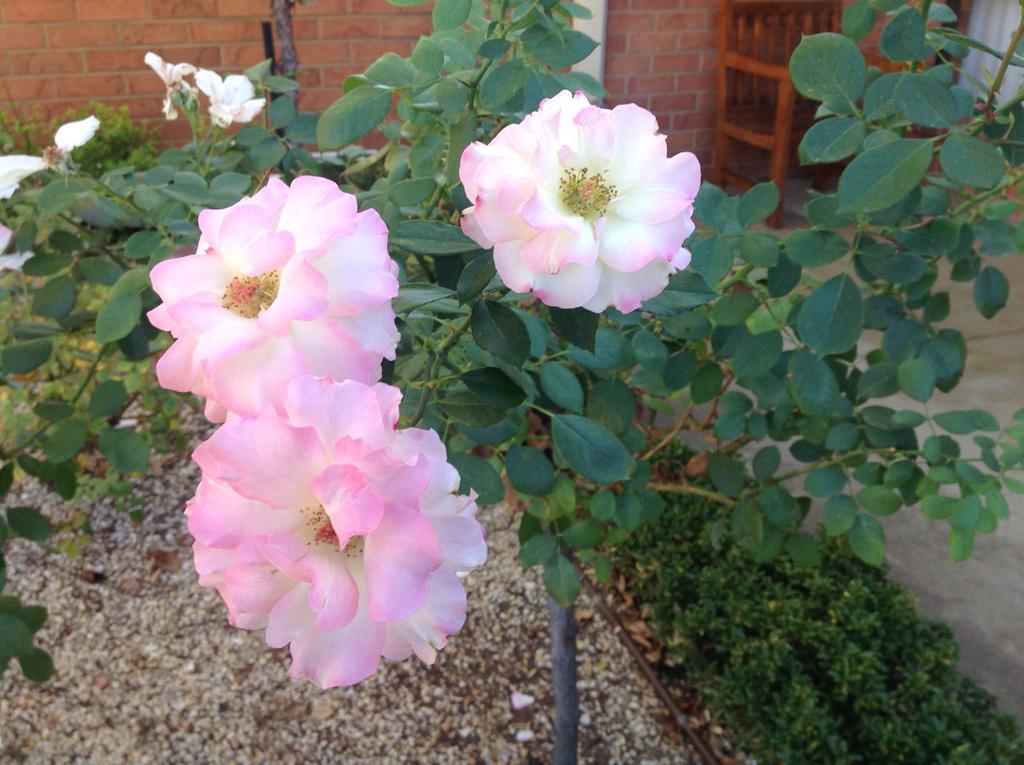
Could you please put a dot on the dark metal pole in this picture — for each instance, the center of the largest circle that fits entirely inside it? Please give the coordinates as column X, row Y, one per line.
column 563, row 675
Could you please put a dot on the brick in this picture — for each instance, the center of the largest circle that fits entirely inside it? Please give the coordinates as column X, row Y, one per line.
column 627, row 64
column 310, row 77
column 322, row 8
column 674, row 102
column 90, row 86
column 651, row 42
column 187, row 9
column 696, row 39
column 369, row 51
column 697, row 119
column 241, row 56
column 614, row 44
column 143, row 83
column 243, row 8
column 323, row 52
column 351, row 27
column 407, row 26
column 160, row 33
column 684, row 20
column 655, row 83
column 80, row 35
column 207, row 56
column 305, row 29
column 29, row 88
column 615, row 85
column 37, row 10
column 222, row 30
column 371, row 6
column 631, row 21
column 678, row 62
column 14, row 36
column 318, row 99
column 114, row 60
column 46, row 62
column 111, row 10
column 335, row 76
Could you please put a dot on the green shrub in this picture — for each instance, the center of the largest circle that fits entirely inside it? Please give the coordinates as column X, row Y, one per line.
column 812, row 665
column 119, row 142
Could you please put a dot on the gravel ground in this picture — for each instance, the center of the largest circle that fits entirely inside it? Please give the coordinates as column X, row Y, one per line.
column 148, row 670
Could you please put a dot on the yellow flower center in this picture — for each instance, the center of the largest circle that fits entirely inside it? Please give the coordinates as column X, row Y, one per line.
column 584, row 194
column 249, row 296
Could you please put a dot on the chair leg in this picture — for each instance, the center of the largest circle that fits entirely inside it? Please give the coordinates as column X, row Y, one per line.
column 780, row 150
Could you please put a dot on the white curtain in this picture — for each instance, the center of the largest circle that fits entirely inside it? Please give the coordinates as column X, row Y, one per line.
column 993, row 23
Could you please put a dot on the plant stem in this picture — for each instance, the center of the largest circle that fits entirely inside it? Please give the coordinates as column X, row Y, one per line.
column 997, row 83
column 563, row 676
column 689, row 488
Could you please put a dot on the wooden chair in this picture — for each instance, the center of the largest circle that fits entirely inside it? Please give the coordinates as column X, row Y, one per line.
column 757, row 104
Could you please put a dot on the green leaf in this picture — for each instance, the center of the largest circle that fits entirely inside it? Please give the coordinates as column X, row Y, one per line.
column 411, row 191
column 450, row 14
column 29, row 523
column 126, row 450
column 561, row 386
column 832, row 317
column 825, row 482
column 463, row 407
column 20, row 358
column 858, row 20
column 6, row 478
column 726, row 474
column 991, row 290
column 529, row 470
column 628, row 512
column 477, row 473
column 966, row 421
column 903, row 37
column 391, row 70
column 590, row 449
column 917, row 379
column 829, row 68
column 810, row 247
column 107, row 398
column 812, row 384
column 756, row 354
column 565, row 48
column 498, row 329
column 537, row 550
column 142, row 244
column 925, row 100
column 278, row 84
column 577, row 325
column 281, row 112
column 431, row 237
column 475, row 277
column 961, row 543
column 838, row 515
column 881, row 176
column 65, row 440
column 970, row 161
column 766, row 462
column 561, row 580
column 413, row 295
column 757, row 204
column 706, row 384
column 831, row 140
column 501, row 84
column 734, row 308
column 36, row 665
column 879, row 500
column 612, row 404
column 55, row 299
column 118, row 316
column 867, row 540
column 584, row 535
column 15, row 637
column 267, row 153
column 492, row 386
column 352, row 116
column 494, row 49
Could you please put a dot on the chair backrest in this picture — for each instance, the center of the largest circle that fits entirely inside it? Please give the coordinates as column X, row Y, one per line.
column 768, row 32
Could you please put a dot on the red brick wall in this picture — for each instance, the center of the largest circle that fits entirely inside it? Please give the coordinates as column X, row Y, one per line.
column 61, row 53
column 661, row 55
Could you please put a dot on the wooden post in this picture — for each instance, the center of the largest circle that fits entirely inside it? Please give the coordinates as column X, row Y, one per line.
column 563, row 677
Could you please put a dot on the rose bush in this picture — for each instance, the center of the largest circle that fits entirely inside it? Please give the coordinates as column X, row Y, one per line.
column 765, row 346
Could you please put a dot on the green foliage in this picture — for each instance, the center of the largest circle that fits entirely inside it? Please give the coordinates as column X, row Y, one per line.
column 807, row 665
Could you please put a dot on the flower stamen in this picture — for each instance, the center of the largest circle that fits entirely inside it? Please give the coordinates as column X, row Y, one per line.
column 586, row 195
column 249, row 296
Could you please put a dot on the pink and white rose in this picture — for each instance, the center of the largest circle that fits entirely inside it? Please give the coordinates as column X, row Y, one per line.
column 338, row 534
column 288, row 282
column 582, row 205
